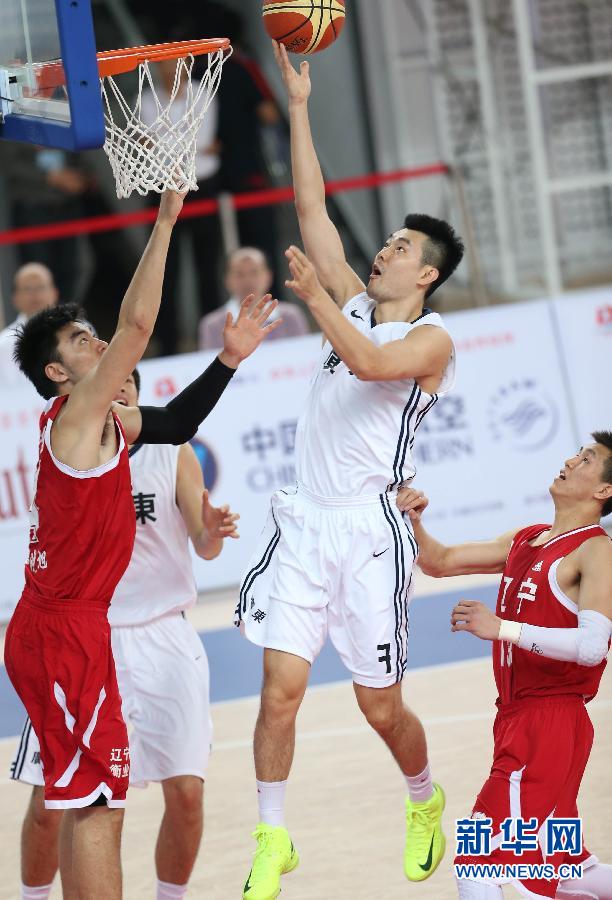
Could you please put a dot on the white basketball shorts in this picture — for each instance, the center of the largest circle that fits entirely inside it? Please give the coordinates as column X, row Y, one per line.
column 333, row 566
column 162, row 671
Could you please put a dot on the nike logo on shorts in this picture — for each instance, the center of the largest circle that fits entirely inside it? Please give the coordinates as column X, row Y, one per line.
column 376, row 555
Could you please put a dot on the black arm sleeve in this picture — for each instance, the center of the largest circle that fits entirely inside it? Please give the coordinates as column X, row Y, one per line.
column 177, row 422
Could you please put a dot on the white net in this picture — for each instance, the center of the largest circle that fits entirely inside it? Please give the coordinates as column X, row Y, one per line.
column 152, row 144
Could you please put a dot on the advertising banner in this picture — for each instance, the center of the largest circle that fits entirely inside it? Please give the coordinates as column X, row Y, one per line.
column 485, row 455
column 584, row 320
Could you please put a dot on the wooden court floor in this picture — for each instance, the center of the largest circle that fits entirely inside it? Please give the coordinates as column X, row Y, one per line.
column 345, row 797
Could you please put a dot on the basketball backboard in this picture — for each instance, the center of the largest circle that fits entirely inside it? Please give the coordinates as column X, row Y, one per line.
column 49, row 80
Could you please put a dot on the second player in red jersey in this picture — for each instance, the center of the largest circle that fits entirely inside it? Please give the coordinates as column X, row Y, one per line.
column 550, row 633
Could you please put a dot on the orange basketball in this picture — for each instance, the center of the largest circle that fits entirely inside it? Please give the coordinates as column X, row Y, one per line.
column 304, row 26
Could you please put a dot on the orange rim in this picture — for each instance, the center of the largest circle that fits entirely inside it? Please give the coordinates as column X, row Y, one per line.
column 114, row 62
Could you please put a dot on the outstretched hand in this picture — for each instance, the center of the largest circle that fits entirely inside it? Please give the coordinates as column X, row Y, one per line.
column 477, row 618
column 304, row 281
column 218, row 521
column 242, row 337
column 297, row 83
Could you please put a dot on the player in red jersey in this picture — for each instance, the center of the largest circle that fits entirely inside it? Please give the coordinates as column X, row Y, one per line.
column 57, row 651
column 551, row 634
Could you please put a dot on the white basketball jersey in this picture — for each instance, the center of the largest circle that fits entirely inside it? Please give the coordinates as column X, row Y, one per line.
column 159, row 579
column 355, row 437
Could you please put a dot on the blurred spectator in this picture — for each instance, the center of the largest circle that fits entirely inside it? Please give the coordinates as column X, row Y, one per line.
column 45, row 186
column 248, row 272
column 203, row 233
column 33, row 291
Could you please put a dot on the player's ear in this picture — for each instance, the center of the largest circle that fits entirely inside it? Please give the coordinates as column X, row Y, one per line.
column 56, row 372
column 428, row 275
column 604, row 492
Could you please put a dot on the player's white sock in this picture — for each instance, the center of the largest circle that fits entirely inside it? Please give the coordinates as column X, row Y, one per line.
column 36, row 893
column 478, row 890
column 166, row 891
column 595, row 884
column 420, row 787
column 271, row 801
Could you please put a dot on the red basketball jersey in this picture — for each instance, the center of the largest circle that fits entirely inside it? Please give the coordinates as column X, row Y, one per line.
column 82, row 524
column 529, row 592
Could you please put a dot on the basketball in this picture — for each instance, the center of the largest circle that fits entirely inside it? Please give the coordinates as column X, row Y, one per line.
column 304, row 26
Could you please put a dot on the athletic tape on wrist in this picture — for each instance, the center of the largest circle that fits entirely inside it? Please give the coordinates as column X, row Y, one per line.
column 510, row 631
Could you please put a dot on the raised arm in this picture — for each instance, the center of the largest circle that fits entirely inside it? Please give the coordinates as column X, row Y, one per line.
column 320, row 236
column 423, row 353
column 179, row 420
column 91, row 397
column 439, row 560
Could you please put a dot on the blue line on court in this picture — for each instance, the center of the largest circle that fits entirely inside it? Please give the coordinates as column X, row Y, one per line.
column 235, row 663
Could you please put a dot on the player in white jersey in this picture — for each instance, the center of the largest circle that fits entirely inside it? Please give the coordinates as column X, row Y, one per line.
column 336, row 556
column 161, row 664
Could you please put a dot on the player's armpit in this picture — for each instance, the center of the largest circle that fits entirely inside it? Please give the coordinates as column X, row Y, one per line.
column 594, row 561
column 424, row 352
column 131, row 420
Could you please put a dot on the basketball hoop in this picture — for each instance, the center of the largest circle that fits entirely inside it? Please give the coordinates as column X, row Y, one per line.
column 158, row 155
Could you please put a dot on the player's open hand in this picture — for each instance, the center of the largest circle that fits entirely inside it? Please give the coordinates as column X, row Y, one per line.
column 297, row 83
column 170, row 206
column 219, row 521
column 303, row 282
column 477, row 618
column 242, row 337
column 412, row 502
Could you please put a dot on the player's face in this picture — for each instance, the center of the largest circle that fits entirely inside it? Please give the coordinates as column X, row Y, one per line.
column 128, row 395
column 248, row 274
column 79, row 350
column 398, row 269
column 582, row 475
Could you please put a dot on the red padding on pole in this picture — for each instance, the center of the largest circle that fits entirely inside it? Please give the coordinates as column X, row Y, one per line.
column 207, row 207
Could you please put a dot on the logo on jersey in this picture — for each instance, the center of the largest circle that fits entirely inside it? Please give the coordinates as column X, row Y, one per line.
column 208, row 462
column 332, row 362
column 523, row 415
column 34, row 524
column 537, row 567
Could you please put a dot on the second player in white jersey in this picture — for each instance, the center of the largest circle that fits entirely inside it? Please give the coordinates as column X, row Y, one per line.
column 163, row 543
column 355, row 437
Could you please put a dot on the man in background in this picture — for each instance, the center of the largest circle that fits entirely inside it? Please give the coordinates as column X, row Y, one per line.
column 248, row 272
column 33, row 290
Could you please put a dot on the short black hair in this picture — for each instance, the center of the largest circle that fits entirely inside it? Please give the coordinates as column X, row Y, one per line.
column 443, row 248
column 605, row 439
column 136, row 377
column 36, row 344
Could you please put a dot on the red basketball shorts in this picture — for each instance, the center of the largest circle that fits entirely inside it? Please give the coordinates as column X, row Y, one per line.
column 58, row 657
column 541, row 748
